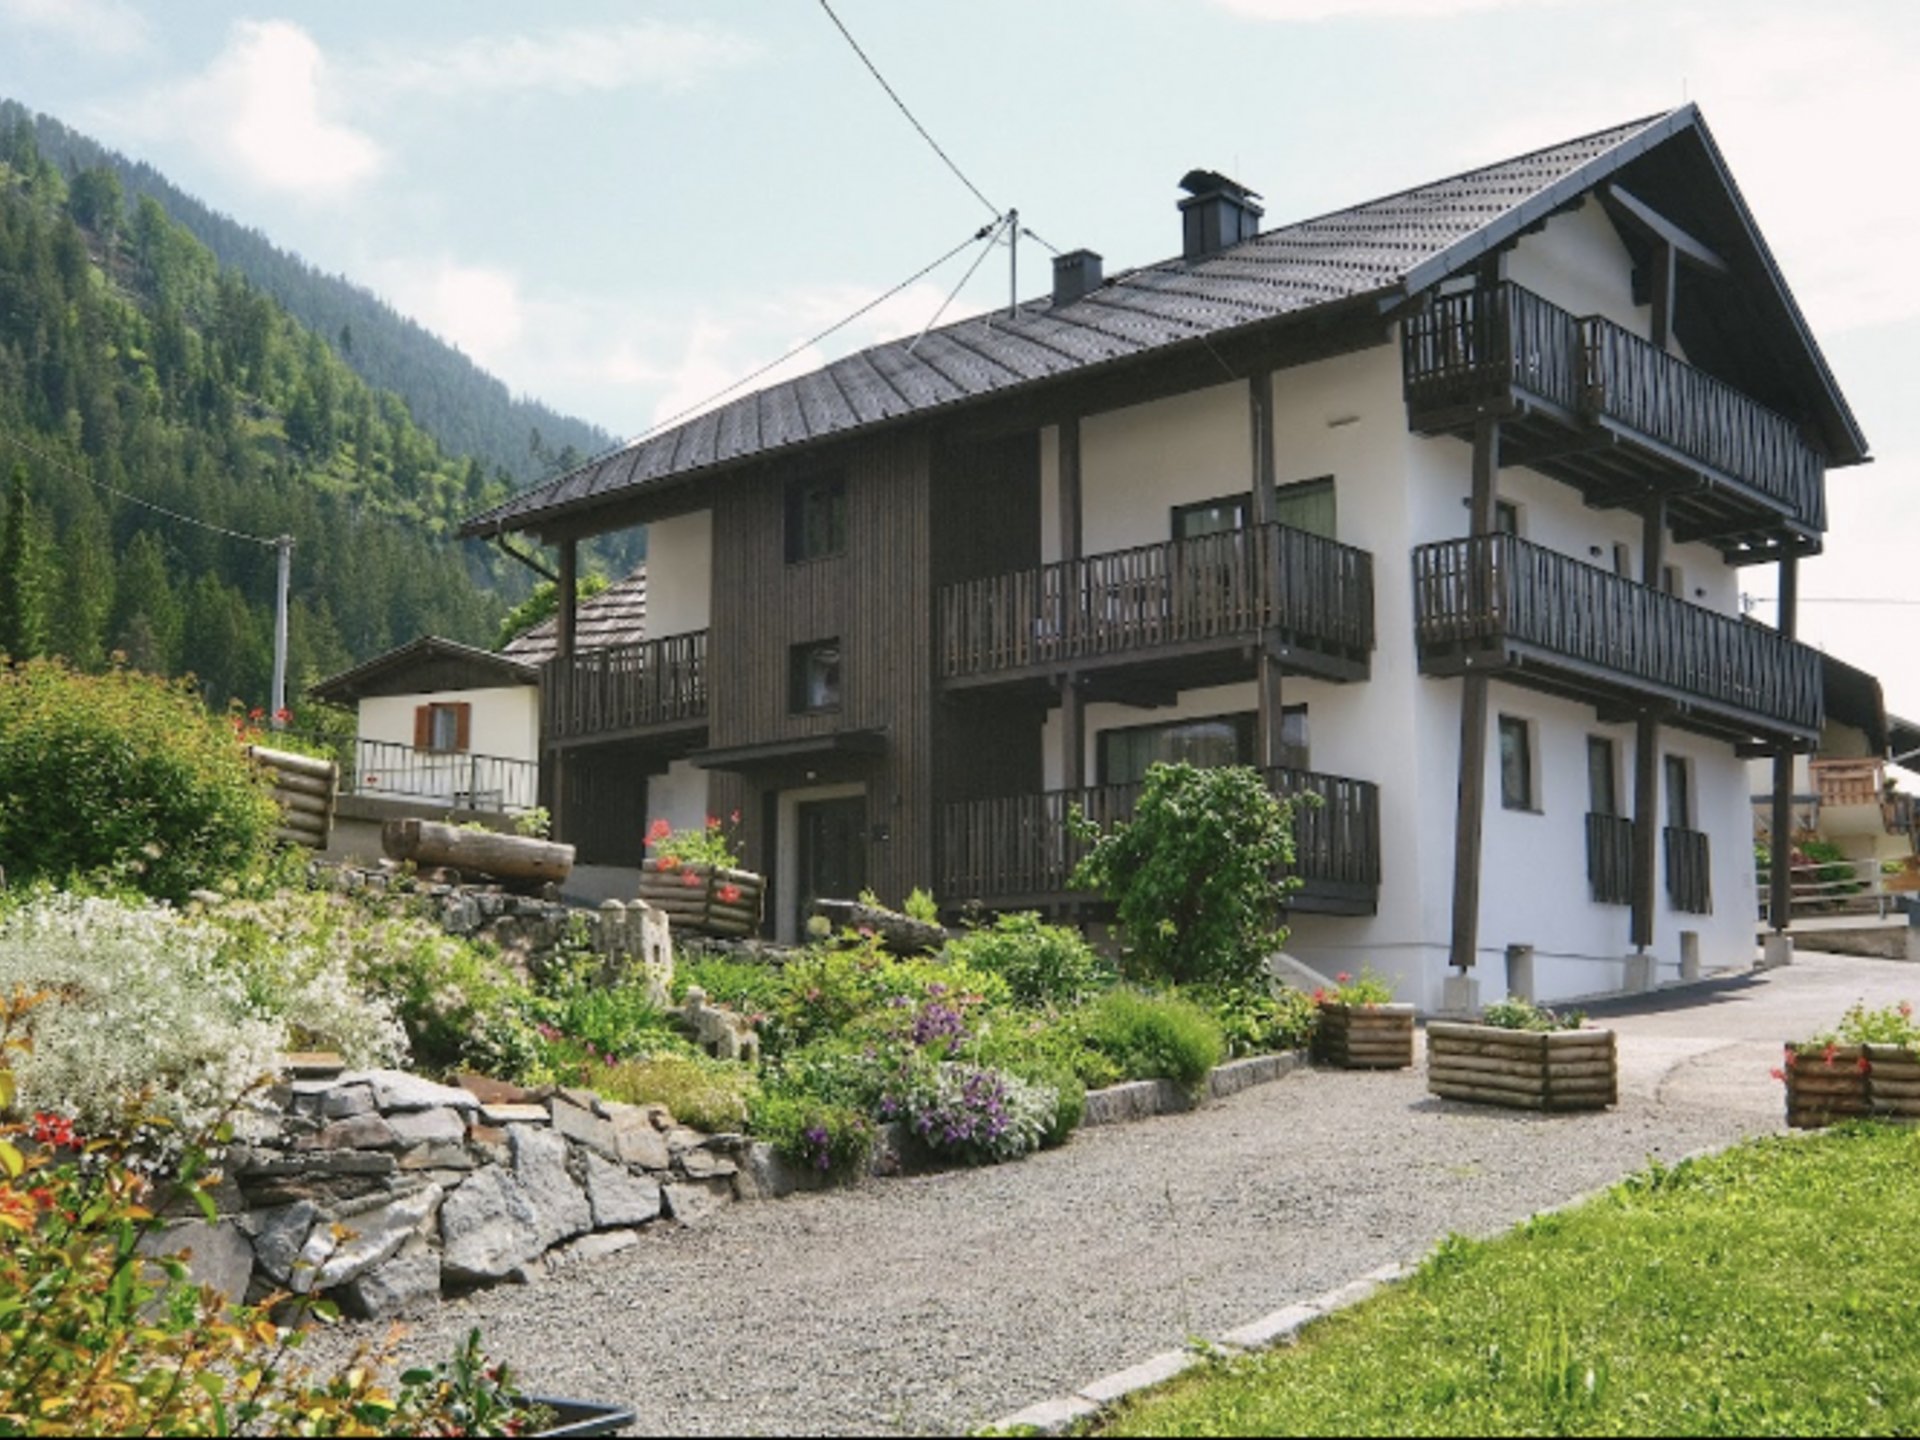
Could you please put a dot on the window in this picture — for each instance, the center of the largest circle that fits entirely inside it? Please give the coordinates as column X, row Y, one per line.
column 813, row 676
column 442, row 728
column 816, row 517
column 1305, row 505
column 1602, row 792
column 1516, row 764
column 1211, row 517
column 1218, row 740
column 1679, row 793
column 1506, row 518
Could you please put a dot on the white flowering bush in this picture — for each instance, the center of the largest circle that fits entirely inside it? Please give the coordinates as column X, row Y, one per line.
column 152, row 1012
column 976, row 1113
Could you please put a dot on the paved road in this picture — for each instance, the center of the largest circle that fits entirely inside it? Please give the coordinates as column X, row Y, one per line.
column 935, row 1304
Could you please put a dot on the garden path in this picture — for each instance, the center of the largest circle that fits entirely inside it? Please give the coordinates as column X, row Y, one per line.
column 934, row 1304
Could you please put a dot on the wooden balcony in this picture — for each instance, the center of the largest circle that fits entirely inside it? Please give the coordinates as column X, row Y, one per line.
column 1016, row 851
column 626, row 691
column 1689, row 871
column 1543, row 619
column 1610, row 858
column 1195, row 608
column 1600, row 408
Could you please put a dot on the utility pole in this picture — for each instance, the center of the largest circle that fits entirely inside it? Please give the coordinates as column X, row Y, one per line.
column 284, row 545
column 1013, row 264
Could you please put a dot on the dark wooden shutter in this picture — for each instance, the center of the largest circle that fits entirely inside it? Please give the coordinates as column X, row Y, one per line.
column 422, row 726
column 462, row 726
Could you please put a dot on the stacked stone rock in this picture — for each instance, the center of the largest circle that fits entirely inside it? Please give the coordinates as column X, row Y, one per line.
column 383, row 1190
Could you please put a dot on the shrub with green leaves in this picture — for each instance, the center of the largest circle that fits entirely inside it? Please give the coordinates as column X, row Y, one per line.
column 1259, row 1020
column 820, row 1135
column 974, row 1113
column 127, row 776
column 1152, row 1036
column 710, row 1095
column 1042, row 964
column 1195, row 875
column 1517, row 1014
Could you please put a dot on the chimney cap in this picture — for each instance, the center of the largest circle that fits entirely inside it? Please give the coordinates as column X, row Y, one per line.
column 1212, row 182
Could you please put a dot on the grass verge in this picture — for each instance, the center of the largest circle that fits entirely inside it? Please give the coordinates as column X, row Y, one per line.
column 1770, row 1289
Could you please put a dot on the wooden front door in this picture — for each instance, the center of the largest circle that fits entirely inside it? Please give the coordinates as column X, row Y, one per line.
column 832, row 852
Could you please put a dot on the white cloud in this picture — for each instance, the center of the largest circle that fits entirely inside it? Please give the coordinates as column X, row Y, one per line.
column 101, row 27
column 266, row 109
column 1302, row 11
column 648, row 53
column 476, row 307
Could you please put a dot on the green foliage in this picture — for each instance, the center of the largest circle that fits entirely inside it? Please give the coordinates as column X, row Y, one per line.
column 1152, row 1036
column 585, row 1018
column 1832, row 871
column 710, row 1095
column 1888, row 1025
column 818, row 1134
column 715, row 843
column 1195, row 875
column 743, row 986
column 1761, row 1291
column 920, row 905
column 1040, row 963
column 828, row 989
column 536, row 823
column 1256, row 1020
column 1369, row 989
column 126, row 775
column 1516, row 1014
column 542, row 604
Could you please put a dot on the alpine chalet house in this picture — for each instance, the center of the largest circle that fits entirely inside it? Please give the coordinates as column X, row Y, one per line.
column 1433, row 509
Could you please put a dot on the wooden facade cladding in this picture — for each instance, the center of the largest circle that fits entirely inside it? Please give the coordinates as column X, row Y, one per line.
column 1311, row 597
column 1495, row 603
column 1595, row 405
column 625, row 691
column 874, row 596
column 1017, row 849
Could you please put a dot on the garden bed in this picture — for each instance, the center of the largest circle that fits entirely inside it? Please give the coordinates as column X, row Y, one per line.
column 1365, row 1037
column 1527, row 1070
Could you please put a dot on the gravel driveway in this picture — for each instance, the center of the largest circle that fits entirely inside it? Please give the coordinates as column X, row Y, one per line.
column 936, row 1304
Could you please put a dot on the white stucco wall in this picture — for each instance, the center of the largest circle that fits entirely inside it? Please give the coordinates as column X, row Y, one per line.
column 505, row 719
column 680, row 574
column 679, row 797
column 503, row 726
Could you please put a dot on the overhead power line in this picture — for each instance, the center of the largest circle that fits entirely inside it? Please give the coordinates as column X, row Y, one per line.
column 64, row 468
column 992, row 235
column 893, row 95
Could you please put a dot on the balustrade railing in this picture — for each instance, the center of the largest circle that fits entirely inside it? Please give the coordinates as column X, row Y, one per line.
column 1241, row 582
column 458, row 780
column 1491, row 589
column 625, row 687
column 1020, row 845
column 1477, row 344
column 1610, row 858
column 1689, row 871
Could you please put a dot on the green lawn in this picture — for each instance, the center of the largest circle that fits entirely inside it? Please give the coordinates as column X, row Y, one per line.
column 1773, row 1289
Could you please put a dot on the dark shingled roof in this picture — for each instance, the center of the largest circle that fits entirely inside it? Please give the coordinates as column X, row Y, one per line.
column 424, row 665
column 1391, row 247
column 616, row 616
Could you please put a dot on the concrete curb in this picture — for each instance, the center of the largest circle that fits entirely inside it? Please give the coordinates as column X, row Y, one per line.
column 1143, row 1099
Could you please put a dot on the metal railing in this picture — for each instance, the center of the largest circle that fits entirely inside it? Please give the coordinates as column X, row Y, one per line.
column 1488, row 590
column 1610, row 858
column 1315, row 591
column 458, row 780
column 1689, row 870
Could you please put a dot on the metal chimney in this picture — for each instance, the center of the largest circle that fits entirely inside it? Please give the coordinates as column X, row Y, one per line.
column 1217, row 212
column 1075, row 273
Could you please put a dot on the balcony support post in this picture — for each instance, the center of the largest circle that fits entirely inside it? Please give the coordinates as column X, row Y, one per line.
column 1073, row 736
column 562, row 672
column 1472, row 794
column 1664, row 294
column 1780, row 849
column 1646, row 746
column 1269, row 749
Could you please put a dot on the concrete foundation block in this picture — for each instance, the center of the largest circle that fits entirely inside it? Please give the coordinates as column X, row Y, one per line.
column 1776, row 950
column 1641, row 969
column 1520, row 972
column 1690, row 955
column 1460, row 995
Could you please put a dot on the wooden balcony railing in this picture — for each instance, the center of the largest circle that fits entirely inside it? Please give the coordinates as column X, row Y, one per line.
column 625, row 688
column 1689, row 871
column 1315, row 592
column 1849, row 782
column 1019, row 847
column 1481, row 345
column 1588, row 626
column 1610, row 858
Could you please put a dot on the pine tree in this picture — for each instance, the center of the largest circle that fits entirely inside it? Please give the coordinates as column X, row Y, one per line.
column 20, row 607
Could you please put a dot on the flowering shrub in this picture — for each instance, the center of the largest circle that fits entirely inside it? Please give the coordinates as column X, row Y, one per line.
column 821, row 1135
column 126, row 775
column 712, row 844
column 1369, row 989
column 975, row 1114
column 1041, row 963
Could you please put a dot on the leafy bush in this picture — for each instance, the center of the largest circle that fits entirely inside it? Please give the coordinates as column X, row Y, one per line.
column 829, row 989
column 1258, row 1021
column 823, row 1136
column 1832, row 872
column 1369, row 989
column 740, row 985
column 610, row 1021
column 920, row 905
column 1153, row 1036
column 126, row 775
column 150, row 1010
column 974, row 1114
column 710, row 1095
column 1516, row 1014
column 1041, row 963
column 1195, row 875
column 712, row 844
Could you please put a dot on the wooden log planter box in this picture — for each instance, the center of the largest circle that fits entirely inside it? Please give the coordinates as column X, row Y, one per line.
column 719, row 901
column 1850, row 1082
column 1364, row 1037
column 1524, row 1069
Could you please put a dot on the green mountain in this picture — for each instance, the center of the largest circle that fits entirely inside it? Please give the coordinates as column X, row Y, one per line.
column 467, row 410
column 134, row 363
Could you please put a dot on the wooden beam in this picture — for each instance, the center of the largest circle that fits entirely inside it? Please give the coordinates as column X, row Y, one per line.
column 1071, row 526
column 1665, row 293
column 1267, row 667
column 1471, row 795
column 1073, row 736
column 1628, row 209
column 1780, row 851
column 566, row 615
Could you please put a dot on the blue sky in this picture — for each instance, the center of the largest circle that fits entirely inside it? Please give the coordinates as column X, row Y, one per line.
column 622, row 207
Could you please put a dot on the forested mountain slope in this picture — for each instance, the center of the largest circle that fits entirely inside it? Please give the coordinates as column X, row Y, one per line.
column 466, row 409
column 131, row 360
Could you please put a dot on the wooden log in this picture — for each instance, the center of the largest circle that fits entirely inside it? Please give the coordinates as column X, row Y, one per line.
column 507, row 857
column 289, row 763
column 1894, row 1089
column 1555, row 1068
column 1526, row 1084
column 303, row 785
column 1451, row 1091
column 1466, row 1030
column 296, row 804
column 312, row 839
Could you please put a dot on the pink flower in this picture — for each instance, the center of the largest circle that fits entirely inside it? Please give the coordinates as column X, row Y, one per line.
column 690, row 880
column 1778, row 1073
column 729, row 894
column 1345, row 977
